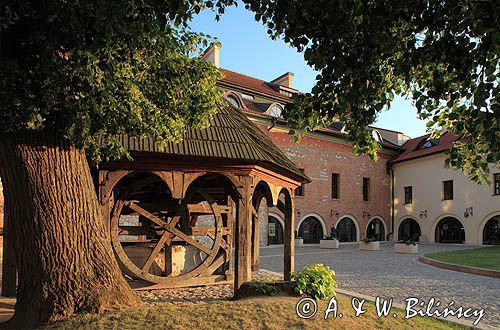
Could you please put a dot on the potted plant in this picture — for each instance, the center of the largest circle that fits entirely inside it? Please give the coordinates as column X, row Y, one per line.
column 408, row 247
column 329, row 242
column 298, row 240
column 369, row 244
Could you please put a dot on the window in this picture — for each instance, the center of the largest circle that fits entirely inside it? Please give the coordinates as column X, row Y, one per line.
column 448, row 190
column 366, row 189
column 408, row 195
column 428, row 144
column 496, row 183
column 335, row 185
column 233, row 101
column 275, row 111
column 299, row 191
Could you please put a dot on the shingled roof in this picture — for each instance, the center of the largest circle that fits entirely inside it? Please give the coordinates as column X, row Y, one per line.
column 231, row 135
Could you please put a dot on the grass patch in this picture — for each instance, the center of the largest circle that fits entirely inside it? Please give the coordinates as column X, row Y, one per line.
column 487, row 257
column 255, row 313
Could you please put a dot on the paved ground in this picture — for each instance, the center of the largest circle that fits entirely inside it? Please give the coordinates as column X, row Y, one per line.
column 390, row 275
column 383, row 273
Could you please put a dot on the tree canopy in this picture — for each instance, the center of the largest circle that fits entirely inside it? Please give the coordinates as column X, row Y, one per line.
column 443, row 54
column 97, row 69
column 91, row 70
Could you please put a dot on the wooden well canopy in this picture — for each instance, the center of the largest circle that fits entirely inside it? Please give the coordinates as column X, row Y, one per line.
column 176, row 211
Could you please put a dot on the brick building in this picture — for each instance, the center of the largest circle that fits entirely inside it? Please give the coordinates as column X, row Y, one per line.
column 361, row 198
column 347, row 191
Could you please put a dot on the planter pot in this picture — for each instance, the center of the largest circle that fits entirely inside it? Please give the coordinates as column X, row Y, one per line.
column 299, row 242
column 372, row 246
column 329, row 244
column 403, row 248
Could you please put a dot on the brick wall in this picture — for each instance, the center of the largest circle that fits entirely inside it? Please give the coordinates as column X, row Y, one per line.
column 263, row 223
column 320, row 158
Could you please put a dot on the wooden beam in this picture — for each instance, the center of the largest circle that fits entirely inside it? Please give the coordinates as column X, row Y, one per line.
column 206, row 209
column 230, row 239
column 244, row 234
column 135, row 230
column 255, row 243
column 210, row 231
column 196, row 281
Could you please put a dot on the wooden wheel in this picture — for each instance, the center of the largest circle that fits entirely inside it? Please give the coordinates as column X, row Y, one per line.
column 166, row 230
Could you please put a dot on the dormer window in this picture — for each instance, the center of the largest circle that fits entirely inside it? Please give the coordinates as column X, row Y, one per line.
column 275, row 110
column 376, row 136
column 234, row 99
column 246, row 96
column 428, row 144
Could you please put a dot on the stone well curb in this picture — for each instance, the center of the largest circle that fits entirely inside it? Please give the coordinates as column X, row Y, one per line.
column 460, row 268
column 353, row 294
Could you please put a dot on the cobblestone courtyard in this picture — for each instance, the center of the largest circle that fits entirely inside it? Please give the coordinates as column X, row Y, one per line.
column 387, row 274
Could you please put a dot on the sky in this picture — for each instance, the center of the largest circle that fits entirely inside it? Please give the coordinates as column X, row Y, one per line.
column 247, row 49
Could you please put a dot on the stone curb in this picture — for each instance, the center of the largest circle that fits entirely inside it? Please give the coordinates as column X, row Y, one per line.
column 460, row 268
column 400, row 306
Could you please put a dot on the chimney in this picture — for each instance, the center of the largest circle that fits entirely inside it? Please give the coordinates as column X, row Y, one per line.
column 285, row 80
column 211, row 54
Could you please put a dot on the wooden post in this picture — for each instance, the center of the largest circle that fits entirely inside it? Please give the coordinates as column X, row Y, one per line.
column 255, row 236
column 244, row 235
column 289, row 239
column 9, row 269
column 230, row 225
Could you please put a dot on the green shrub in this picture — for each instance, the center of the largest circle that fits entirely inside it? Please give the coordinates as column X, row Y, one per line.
column 316, row 281
column 266, row 289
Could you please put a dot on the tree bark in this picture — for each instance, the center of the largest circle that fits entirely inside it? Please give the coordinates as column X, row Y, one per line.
column 9, row 273
column 63, row 252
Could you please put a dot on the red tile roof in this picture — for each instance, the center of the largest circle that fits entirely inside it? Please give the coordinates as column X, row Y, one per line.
column 412, row 151
column 252, row 83
column 235, row 79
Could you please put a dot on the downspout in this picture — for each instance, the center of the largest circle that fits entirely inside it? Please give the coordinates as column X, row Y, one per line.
column 273, row 123
column 390, row 169
column 392, row 200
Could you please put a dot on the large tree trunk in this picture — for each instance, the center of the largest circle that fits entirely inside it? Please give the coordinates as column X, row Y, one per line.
column 63, row 252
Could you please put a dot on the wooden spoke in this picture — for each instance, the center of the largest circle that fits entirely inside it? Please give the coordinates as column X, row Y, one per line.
column 189, row 240
column 175, row 220
column 138, row 256
column 154, row 253
column 146, row 214
column 216, row 264
column 169, row 227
